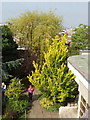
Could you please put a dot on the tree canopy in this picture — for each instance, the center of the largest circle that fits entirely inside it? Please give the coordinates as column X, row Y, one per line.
column 80, row 38
column 9, row 47
column 32, row 28
column 54, row 80
column 10, row 61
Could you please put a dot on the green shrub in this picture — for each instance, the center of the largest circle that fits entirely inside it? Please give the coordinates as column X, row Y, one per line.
column 54, row 108
column 49, row 105
column 22, row 116
column 41, row 96
column 17, row 102
column 9, row 112
column 16, row 108
column 23, row 97
column 20, row 106
column 14, row 89
column 46, row 103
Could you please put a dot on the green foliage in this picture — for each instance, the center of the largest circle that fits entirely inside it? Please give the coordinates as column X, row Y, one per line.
column 55, row 81
column 54, row 108
column 80, row 38
column 23, row 116
column 10, row 115
column 10, row 61
column 17, row 102
column 15, row 109
column 89, row 37
column 9, row 69
column 9, row 47
column 32, row 29
column 14, row 89
column 19, row 105
column 46, row 103
column 73, row 51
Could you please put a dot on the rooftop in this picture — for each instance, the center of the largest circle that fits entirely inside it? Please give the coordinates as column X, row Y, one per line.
column 81, row 63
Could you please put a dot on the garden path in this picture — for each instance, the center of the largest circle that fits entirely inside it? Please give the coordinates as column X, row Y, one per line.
column 37, row 111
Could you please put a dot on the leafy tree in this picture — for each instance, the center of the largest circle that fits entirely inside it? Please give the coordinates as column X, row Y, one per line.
column 55, row 81
column 79, row 40
column 32, row 28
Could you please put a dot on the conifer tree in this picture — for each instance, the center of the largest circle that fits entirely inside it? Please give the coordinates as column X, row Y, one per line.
column 55, row 80
column 10, row 61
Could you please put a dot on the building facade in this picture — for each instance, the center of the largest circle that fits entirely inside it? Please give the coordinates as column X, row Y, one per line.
column 79, row 65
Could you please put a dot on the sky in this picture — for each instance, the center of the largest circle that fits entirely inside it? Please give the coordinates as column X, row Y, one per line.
column 74, row 13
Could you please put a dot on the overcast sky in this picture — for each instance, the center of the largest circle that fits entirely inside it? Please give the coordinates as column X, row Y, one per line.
column 74, row 13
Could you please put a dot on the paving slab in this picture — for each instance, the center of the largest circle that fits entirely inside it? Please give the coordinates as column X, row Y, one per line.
column 37, row 111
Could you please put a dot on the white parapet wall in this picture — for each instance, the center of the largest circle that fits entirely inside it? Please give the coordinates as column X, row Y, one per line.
column 68, row 112
column 84, row 52
column 82, row 82
column 84, row 91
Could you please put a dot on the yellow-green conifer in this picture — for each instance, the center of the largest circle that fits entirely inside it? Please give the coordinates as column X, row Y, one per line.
column 55, row 80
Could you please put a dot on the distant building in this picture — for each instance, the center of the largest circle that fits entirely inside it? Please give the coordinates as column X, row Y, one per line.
column 1, row 24
column 79, row 65
column 69, row 33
